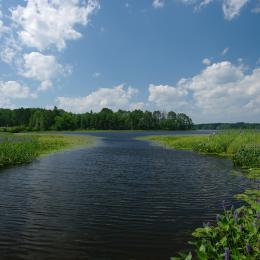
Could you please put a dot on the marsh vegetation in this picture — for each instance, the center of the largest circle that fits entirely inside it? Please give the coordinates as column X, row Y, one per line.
column 23, row 148
column 243, row 147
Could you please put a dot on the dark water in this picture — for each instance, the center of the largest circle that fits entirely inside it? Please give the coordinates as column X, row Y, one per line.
column 121, row 199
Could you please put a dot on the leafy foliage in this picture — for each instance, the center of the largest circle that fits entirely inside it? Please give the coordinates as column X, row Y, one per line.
column 242, row 146
column 25, row 148
column 236, row 234
column 35, row 119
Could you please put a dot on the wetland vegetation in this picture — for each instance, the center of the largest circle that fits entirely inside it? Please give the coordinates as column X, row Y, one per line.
column 243, row 147
column 23, row 148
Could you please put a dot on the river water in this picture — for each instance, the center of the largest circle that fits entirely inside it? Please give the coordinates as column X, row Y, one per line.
column 120, row 199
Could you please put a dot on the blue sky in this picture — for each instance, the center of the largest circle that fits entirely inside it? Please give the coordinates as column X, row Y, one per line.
column 201, row 57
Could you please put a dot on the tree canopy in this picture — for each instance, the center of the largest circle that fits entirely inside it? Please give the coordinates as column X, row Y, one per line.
column 38, row 119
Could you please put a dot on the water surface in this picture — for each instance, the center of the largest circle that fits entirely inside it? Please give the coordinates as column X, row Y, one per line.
column 121, row 199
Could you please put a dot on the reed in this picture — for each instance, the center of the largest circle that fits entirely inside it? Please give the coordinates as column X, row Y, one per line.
column 243, row 147
column 24, row 148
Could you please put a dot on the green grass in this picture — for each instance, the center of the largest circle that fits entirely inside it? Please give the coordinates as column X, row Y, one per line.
column 243, row 147
column 23, row 148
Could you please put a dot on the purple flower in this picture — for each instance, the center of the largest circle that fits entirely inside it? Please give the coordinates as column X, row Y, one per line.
column 218, row 217
column 248, row 248
column 227, row 254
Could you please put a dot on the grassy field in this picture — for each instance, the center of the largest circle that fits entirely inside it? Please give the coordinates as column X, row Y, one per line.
column 23, row 148
column 243, row 147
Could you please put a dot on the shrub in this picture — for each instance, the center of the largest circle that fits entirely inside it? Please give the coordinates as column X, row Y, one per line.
column 247, row 156
column 236, row 234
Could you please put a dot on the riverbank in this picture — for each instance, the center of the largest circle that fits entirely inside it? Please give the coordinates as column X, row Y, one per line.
column 235, row 235
column 243, row 147
column 24, row 148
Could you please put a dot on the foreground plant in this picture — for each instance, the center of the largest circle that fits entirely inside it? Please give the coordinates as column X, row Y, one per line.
column 235, row 235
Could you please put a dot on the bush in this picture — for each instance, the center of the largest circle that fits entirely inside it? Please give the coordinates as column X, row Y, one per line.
column 247, row 156
column 236, row 234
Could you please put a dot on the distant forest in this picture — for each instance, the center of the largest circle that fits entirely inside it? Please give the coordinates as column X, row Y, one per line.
column 37, row 119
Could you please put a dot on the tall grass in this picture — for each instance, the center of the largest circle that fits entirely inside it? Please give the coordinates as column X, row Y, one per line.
column 18, row 149
column 242, row 146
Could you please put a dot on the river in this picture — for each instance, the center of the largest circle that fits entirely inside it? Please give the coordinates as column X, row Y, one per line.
column 120, row 199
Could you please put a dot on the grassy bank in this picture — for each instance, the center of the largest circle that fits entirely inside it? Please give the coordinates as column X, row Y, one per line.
column 243, row 147
column 23, row 148
column 236, row 232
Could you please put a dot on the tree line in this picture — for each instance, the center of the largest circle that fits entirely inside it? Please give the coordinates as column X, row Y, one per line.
column 38, row 119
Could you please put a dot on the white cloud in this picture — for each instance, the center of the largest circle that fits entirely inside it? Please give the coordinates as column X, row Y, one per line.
column 225, row 51
column 206, row 61
column 14, row 90
column 221, row 92
column 114, row 98
column 158, row 3
column 167, row 97
column 45, row 85
column 42, row 68
column 11, row 90
column 232, row 8
column 10, row 48
column 202, row 4
column 7, row 55
column 46, row 23
column 3, row 27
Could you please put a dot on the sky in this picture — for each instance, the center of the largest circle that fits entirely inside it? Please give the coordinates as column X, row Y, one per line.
column 200, row 57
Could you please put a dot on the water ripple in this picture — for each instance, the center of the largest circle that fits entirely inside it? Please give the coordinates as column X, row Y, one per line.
column 122, row 199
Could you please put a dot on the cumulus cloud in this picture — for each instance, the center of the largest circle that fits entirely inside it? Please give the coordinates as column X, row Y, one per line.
column 166, row 97
column 46, row 23
column 14, row 90
column 206, row 61
column 221, row 92
column 42, row 68
column 158, row 3
column 232, row 8
column 114, row 98
column 11, row 90
column 42, row 25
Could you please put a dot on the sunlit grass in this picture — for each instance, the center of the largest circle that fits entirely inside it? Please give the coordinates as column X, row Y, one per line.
column 242, row 146
column 23, row 148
